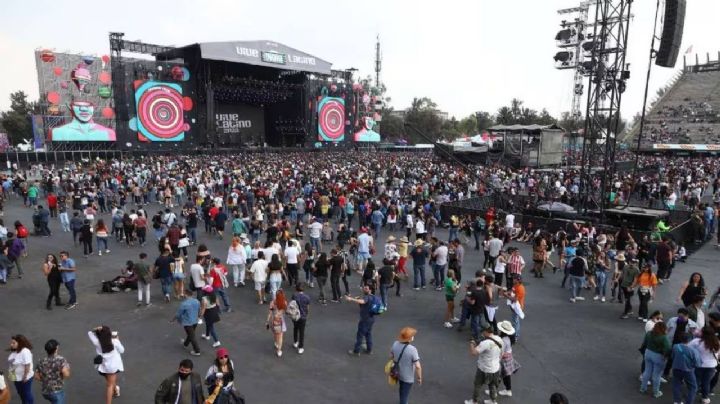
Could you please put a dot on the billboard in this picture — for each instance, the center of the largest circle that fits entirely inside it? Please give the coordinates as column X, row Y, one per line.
column 160, row 111
column 331, row 119
column 239, row 123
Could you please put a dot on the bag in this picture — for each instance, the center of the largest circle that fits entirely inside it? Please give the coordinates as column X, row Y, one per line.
column 394, row 371
column 376, row 305
column 98, row 360
column 184, row 242
column 22, row 232
column 293, row 310
column 156, row 274
column 388, row 367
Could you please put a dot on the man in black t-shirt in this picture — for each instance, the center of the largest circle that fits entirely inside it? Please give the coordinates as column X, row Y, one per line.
column 163, row 267
column 387, row 276
column 337, row 265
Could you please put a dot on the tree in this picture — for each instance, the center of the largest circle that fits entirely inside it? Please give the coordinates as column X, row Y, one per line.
column 545, row 118
column 515, row 113
column 468, row 125
column 422, row 115
column 16, row 121
column 504, row 116
column 483, row 120
column 570, row 123
column 392, row 127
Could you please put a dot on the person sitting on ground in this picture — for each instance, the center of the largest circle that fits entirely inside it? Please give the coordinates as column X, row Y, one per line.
column 128, row 280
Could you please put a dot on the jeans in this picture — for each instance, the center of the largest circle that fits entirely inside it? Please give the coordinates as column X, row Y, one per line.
column 87, row 247
column 515, row 321
column 56, row 397
column 65, row 222
column 680, row 376
column 576, row 283
column 299, row 332
column 404, row 391
column 601, row 288
column 644, row 300
column 274, row 286
column 210, row 330
column 102, row 244
column 223, row 295
column 70, row 286
column 335, row 286
column 364, row 331
column 703, row 377
column 439, row 275
column 3, row 275
column 452, row 234
column 24, row 390
column 654, row 364
column 315, row 243
column 321, row 285
column 383, row 293
column 166, row 284
column 192, row 234
column 418, row 276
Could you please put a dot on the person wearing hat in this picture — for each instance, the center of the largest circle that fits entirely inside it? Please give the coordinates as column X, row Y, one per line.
column 616, row 278
column 489, row 352
column 628, row 283
column 419, row 255
column 407, row 358
column 175, row 388
column 508, row 364
column 221, row 373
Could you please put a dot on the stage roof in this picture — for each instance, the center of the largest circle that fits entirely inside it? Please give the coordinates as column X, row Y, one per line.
column 523, row 128
column 259, row 53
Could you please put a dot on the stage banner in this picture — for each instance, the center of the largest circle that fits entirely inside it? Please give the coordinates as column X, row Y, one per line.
column 240, row 123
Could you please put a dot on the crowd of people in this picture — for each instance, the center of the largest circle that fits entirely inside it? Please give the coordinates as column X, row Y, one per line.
column 292, row 225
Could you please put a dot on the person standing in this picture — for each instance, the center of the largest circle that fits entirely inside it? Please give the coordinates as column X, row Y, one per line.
column 68, row 273
column 303, row 303
column 488, row 351
column 20, row 364
column 292, row 253
column 405, row 356
column 508, row 364
column 707, row 345
column 52, row 372
column 337, row 268
column 197, row 276
column 495, row 246
column 108, row 360
column 51, row 269
column 86, row 237
column 236, row 259
column 366, row 246
column 577, row 269
column 451, row 288
column 647, row 282
column 514, row 267
column 320, row 272
column 259, row 272
column 441, row 256
column 657, row 348
column 219, row 282
column 184, row 387
column 628, row 283
column 367, row 319
column 144, row 279
column 187, row 315
column 419, row 255
column 664, row 258
column 684, row 361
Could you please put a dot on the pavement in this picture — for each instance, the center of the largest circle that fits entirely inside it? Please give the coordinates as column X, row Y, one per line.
column 583, row 350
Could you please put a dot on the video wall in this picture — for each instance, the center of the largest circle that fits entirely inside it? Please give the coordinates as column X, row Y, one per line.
column 239, row 123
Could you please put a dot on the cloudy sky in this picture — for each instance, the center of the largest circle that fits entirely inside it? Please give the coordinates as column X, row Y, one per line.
column 467, row 55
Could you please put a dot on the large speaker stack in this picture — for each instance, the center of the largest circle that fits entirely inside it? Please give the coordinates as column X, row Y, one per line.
column 671, row 38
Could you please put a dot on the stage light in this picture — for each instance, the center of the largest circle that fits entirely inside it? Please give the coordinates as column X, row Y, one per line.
column 563, row 35
column 588, row 66
column 621, row 86
column 588, row 46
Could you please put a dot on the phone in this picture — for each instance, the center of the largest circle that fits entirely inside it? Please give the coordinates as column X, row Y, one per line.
column 218, row 375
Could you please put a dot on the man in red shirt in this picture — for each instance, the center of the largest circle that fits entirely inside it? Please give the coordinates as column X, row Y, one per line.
column 52, row 204
column 217, row 277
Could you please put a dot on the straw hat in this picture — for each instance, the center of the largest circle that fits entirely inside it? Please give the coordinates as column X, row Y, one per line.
column 391, row 239
column 620, row 257
column 506, row 328
column 418, row 243
column 406, row 334
column 404, row 239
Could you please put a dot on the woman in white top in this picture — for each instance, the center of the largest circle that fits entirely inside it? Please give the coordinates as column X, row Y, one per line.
column 499, row 269
column 20, row 365
column 236, row 259
column 108, row 360
column 708, row 346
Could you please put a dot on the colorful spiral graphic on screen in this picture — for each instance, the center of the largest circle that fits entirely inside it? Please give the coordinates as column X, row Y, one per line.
column 331, row 119
column 160, row 107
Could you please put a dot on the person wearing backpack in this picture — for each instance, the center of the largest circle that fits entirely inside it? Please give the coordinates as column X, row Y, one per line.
column 298, row 310
column 368, row 310
column 406, row 363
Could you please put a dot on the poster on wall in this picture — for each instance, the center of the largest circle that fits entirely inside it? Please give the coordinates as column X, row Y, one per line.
column 331, row 119
column 160, row 109
column 240, row 123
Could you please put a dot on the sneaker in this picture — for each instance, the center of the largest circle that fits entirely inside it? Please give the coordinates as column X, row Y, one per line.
column 216, row 344
column 447, row 325
column 490, row 402
column 205, row 337
column 455, row 320
column 353, row 353
column 640, row 319
column 301, row 350
column 506, row 393
column 572, row 300
column 470, row 401
column 193, row 353
column 279, row 353
column 71, row 306
column 706, row 401
column 139, row 304
column 295, row 345
column 100, row 253
column 658, row 394
column 167, row 298
column 580, row 298
column 416, row 288
column 663, row 380
column 602, row 299
column 625, row 316
column 117, row 391
column 107, row 251
column 594, row 298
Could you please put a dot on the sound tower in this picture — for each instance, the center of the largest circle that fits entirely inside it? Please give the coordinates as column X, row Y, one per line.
column 671, row 38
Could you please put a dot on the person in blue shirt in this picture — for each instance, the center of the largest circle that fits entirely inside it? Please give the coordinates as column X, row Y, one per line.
column 187, row 315
column 68, row 273
column 684, row 361
column 377, row 218
column 367, row 319
column 570, row 252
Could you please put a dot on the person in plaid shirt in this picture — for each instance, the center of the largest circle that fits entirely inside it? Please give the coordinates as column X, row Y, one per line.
column 515, row 266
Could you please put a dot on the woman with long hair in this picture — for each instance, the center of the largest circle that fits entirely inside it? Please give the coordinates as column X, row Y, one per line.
column 647, row 282
column 108, row 360
column 276, row 320
column 54, row 279
column 276, row 273
column 657, row 348
column 21, row 367
column 222, row 368
column 178, row 273
column 708, row 347
column 308, row 263
column 320, row 271
column 101, row 235
column 695, row 286
column 210, row 312
column 602, row 267
column 560, row 244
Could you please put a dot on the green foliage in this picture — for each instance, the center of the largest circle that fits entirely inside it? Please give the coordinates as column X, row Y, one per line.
column 16, row 121
column 422, row 116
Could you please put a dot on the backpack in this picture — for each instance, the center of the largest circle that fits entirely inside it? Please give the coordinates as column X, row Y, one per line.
column 376, row 305
column 22, row 232
column 293, row 310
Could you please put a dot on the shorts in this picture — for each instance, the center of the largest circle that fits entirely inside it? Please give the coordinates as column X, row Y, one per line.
column 259, row 285
column 449, row 298
column 178, row 277
column 364, row 255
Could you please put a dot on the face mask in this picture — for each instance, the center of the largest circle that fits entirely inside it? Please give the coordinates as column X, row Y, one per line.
column 183, row 376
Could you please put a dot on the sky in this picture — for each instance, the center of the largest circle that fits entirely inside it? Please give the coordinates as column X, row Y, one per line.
column 466, row 55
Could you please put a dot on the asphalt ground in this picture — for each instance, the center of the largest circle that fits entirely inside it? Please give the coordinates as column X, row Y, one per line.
column 583, row 350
